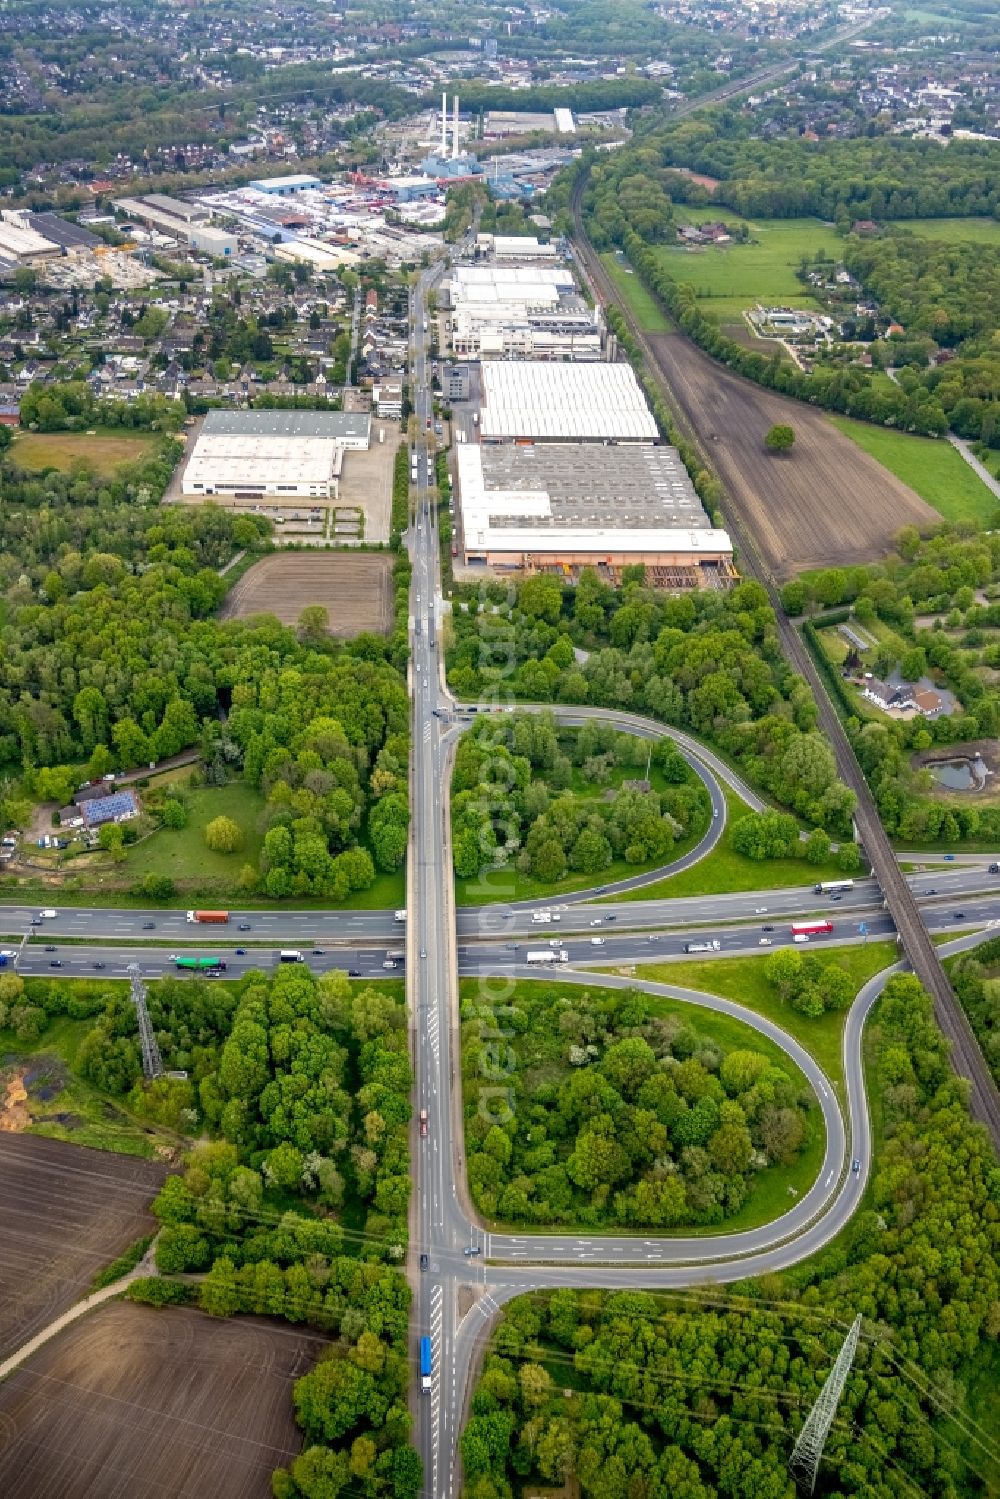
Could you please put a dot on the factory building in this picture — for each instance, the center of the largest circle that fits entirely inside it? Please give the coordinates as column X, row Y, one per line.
column 20, row 244
column 520, row 312
column 286, row 187
column 282, row 456
column 561, row 507
column 182, row 222
column 596, row 402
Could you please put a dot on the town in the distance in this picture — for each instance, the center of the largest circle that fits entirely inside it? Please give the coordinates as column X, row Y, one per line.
column 499, row 749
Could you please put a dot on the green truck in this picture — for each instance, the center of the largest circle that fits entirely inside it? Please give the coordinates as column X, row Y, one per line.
column 201, row 965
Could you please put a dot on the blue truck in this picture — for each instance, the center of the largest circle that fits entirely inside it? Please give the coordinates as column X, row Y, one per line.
column 425, row 1364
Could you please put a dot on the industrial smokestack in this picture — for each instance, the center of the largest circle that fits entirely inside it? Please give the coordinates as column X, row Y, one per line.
column 444, row 123
column 454, row 147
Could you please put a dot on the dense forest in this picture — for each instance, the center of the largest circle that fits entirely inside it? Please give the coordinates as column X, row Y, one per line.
column 974, row 976
column 620, row 1115
column 948, row 292
column 929, row 600
column 709, row 662
column 513, row 799
column 701, row 1394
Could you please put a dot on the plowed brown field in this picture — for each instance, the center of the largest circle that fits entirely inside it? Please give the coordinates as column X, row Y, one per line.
column 355, row 588
column 65, row 1213
column 153, row 1405
column 823, row 504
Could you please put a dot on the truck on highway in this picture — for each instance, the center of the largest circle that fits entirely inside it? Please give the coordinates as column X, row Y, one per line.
column 714, row 946
column 49, row 914
column 199, row 965
column 431, row 630
column 833, row 887
column 425, row 1365
column 811, row 928
column 210, row 918
column 290, row 955
column 399, row 915
column 549, row 955
column 541, row 918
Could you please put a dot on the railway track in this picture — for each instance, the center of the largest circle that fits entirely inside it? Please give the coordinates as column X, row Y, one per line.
column 966, row 1057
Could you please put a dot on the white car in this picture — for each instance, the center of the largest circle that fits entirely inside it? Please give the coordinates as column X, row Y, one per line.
column 597, row 941
column 597, row 922
column 764, row 942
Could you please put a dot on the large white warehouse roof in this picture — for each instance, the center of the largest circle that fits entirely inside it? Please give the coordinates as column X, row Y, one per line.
column 552, row 401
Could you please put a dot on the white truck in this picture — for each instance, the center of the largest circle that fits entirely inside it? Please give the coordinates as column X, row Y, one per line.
column 399, row 916
column 549, row 955
column 544, row 918
column 714, row 946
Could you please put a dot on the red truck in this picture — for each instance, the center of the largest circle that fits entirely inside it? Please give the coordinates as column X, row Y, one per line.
column 213, row 918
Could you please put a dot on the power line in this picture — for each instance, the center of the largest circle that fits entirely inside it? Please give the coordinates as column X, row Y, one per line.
column 808, row 1450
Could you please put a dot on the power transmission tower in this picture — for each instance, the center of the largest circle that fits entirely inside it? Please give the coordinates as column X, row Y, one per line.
column 152, row 1064
column 808, row 1450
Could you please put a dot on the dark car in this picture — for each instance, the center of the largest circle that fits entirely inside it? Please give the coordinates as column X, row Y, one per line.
column 994, row 869
column 244, row 926
column 241, row 952
column 50, row 948
column 931, row 891
column 317, row 952
column 56, row 963
column 149, row 926
column 958, row 916
column 424, row 1261
column 767, row 928
column 856, row 1166
column 35, row 921
column 100, row 965
column 354, row 973
column 611, row 918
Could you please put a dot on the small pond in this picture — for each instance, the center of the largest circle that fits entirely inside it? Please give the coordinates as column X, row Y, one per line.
column 959, row 775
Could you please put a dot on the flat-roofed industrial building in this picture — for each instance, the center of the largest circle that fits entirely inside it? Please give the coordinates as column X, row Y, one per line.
column 561, row 507
column 282, row 456
column 548, row 402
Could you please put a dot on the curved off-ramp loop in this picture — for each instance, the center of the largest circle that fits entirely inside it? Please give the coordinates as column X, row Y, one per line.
column 502, row 1283
column 707, row 766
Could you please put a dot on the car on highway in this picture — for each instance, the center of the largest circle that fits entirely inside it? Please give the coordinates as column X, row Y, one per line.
column 56, row 963
column 764, row 942
column 599, row 941
column 49, row 948
column 318, row 952
column 244, row 926
column 611, row 918
column 760, row 910
column 767, row 927
column 836, row 897
column 856, row 1166
column 949, row 858
column 994, row 869
column 931, row 891
column 958, row 915
column 35, row 921
column 424, row 1125
column 597, row 922
column 241, row 952
column 472, row 1249
column 511, row 946
column 423, row 952
column 424, row 1261
column 100, row 965
column 715, row 812
column 149, row 926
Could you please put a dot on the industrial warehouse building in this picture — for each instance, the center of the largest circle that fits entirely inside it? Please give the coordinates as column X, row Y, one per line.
column 281, row 456
column 560, row 507
column 555, row 402
column 182, row 221
column 520, row 312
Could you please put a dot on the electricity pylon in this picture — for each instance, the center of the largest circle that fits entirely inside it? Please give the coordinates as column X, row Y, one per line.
column 152, row 1064
column 808, row 1450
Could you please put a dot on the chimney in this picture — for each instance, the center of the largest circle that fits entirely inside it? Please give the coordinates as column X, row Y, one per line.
column 454, row 147
column 444, row 123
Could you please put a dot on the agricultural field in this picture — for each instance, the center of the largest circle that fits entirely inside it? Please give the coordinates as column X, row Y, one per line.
column 102, row 451
column 825, row 503
column 929, row 465
column 730, row 278
column 137, row 1401
column 979, row 231
column 355, row 588
column 67, row 1212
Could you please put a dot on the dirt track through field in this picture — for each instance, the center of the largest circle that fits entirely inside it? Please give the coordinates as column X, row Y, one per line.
column 825, row 503
column 154, row 1405
column 66, row 1213
column 355, row 588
